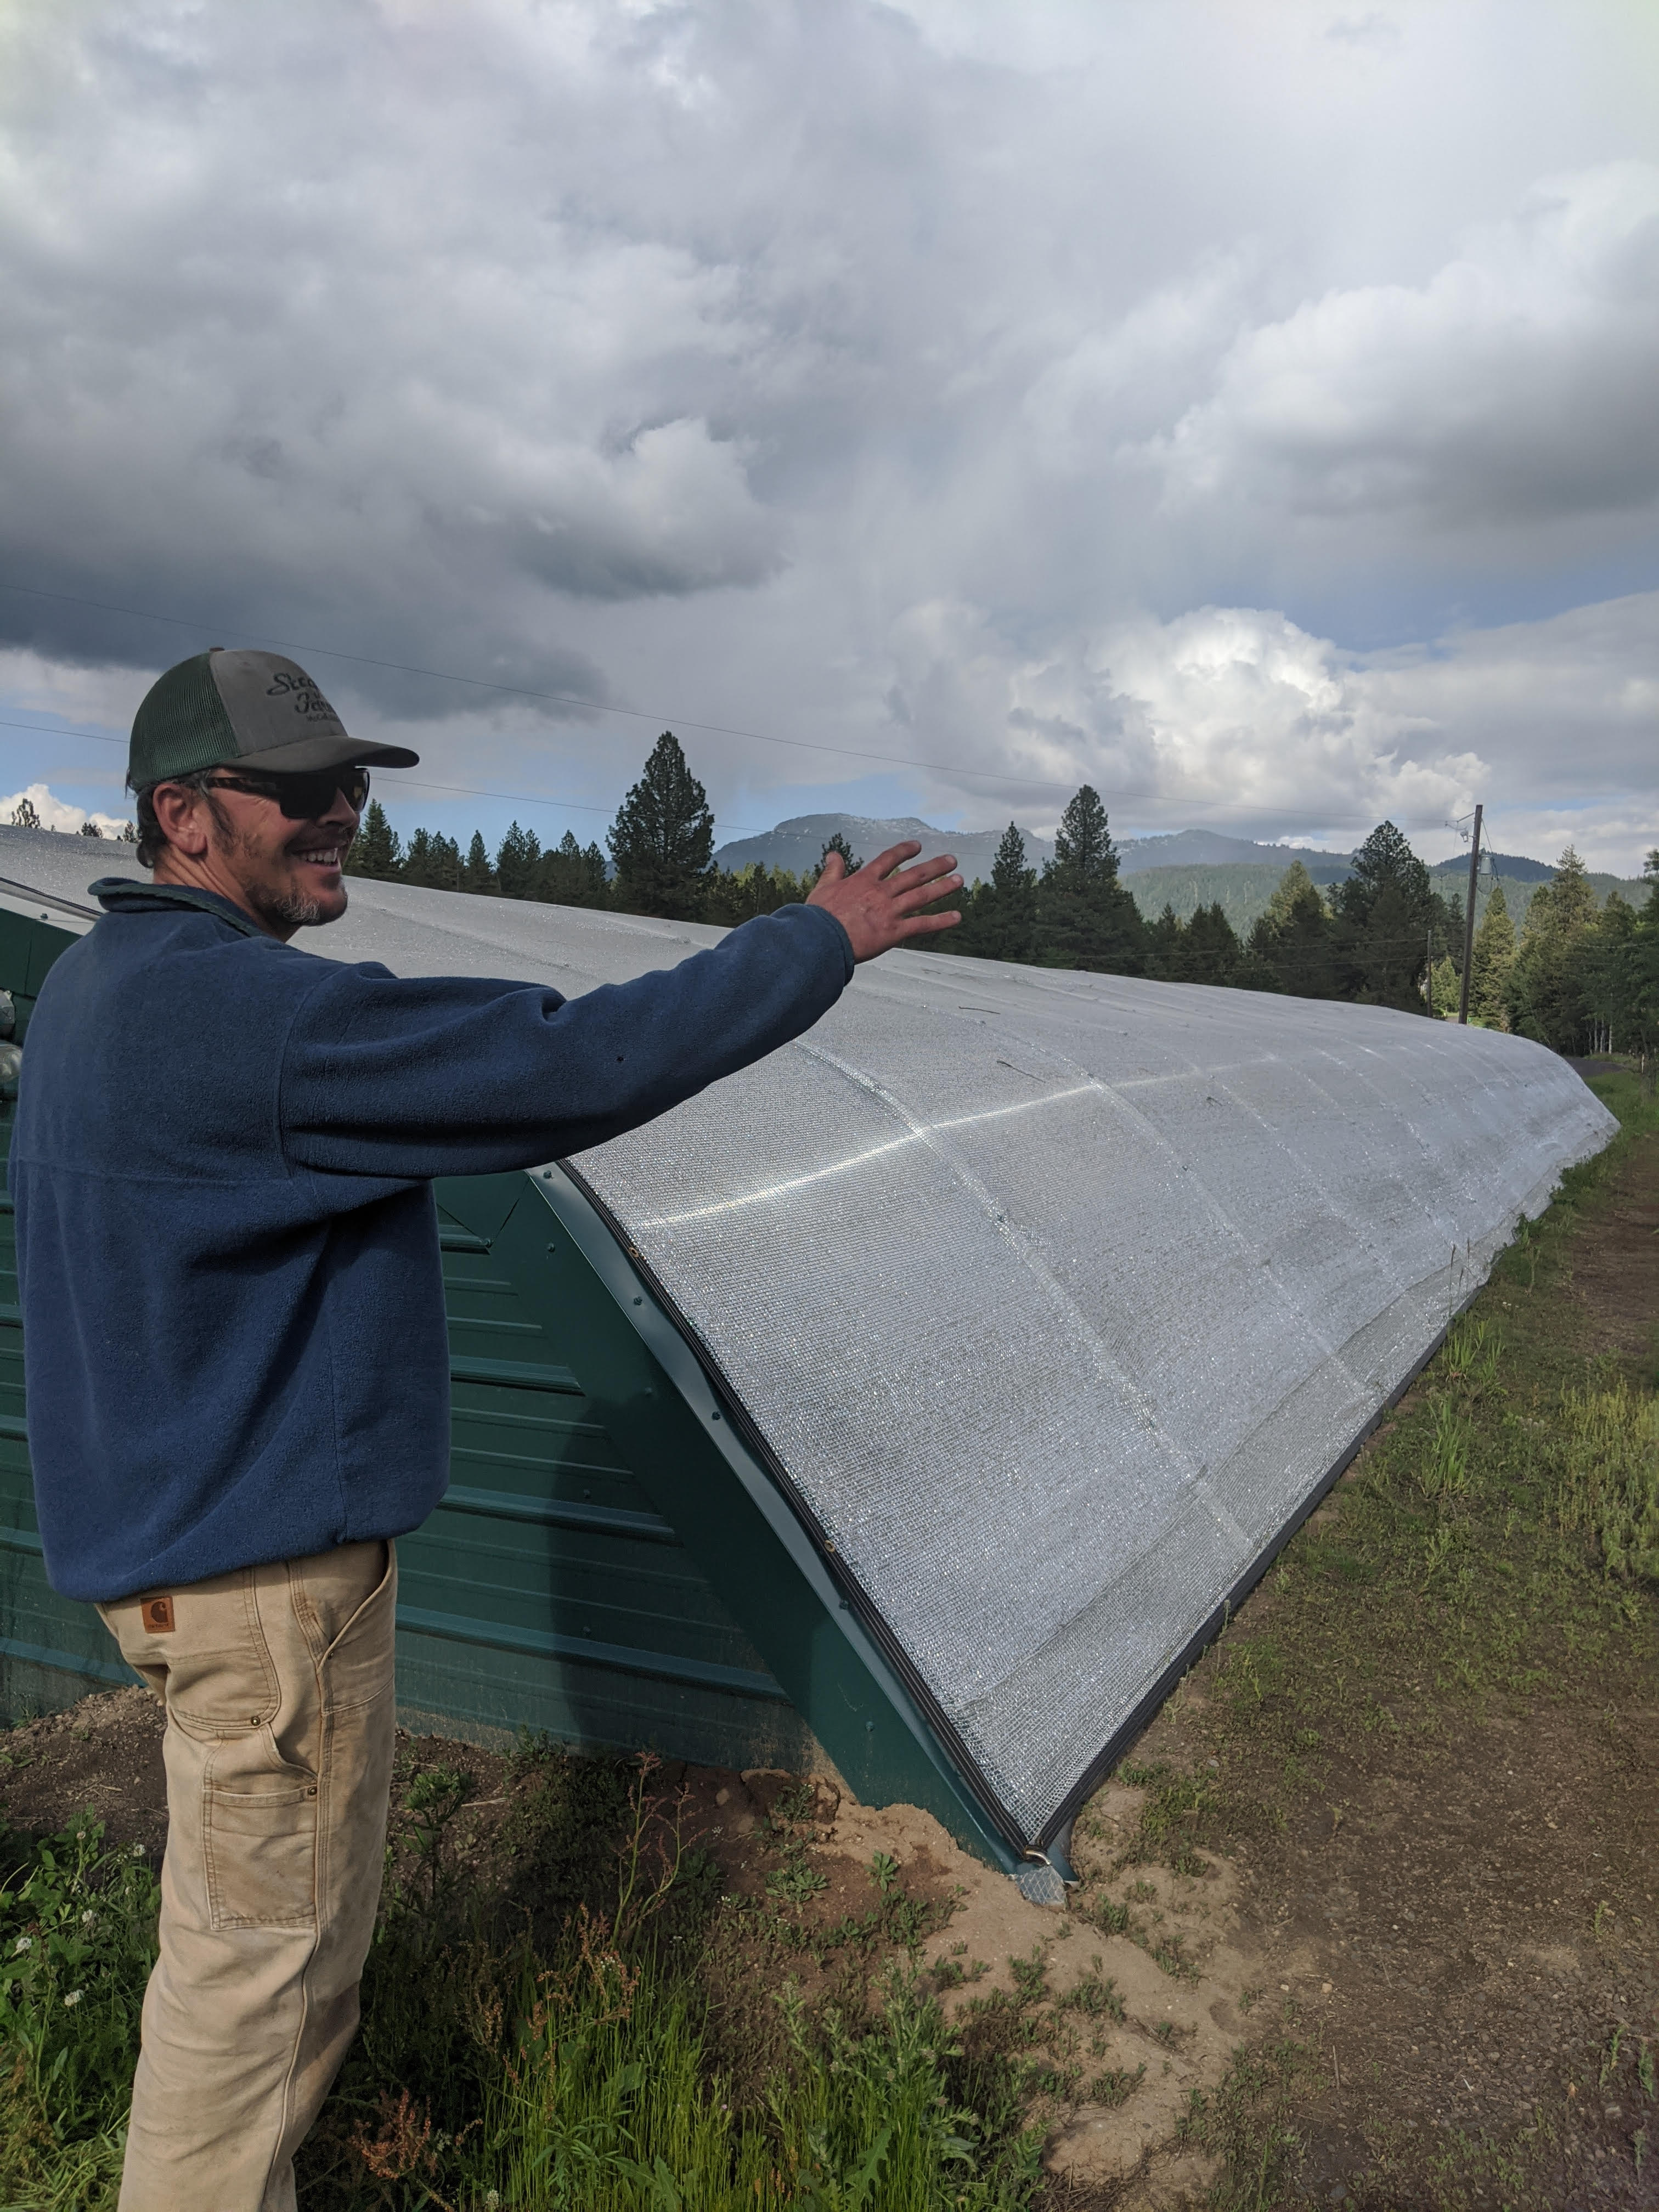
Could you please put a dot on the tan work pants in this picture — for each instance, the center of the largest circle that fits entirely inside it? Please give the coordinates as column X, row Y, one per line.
column 278, row 1686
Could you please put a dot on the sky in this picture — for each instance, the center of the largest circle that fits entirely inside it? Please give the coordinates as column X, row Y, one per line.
column 1252, row 410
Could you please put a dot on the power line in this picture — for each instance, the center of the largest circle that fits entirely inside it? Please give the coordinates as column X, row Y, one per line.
column 635, row 714
column 573, row 699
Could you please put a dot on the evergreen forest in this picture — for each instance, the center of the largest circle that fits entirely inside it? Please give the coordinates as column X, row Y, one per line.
column 1579, row 976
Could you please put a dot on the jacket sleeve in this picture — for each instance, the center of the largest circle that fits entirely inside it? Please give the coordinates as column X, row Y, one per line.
column 422, row 1076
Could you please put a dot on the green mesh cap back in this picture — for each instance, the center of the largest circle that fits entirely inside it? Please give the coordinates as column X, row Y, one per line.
column 181, row 726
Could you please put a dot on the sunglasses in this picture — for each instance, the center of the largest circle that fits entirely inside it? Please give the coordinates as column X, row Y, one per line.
column 302, row 798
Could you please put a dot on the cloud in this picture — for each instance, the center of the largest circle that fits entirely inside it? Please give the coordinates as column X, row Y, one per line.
column 1236, row 714
column 1519, row 386
column 1230, row 711
column 51, row 812
column 1015, row 392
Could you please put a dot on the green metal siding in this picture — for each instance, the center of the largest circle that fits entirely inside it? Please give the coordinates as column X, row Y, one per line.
column 52, row 1650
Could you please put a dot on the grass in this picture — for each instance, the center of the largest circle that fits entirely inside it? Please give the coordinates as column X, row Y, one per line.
column 548, row 2029
column 1498, row 1542
column 78, row 1939
column 1501, row 1537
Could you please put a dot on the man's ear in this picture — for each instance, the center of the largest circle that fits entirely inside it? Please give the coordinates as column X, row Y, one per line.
column 182, row 815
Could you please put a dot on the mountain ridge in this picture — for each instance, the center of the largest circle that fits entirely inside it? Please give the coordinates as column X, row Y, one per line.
column 798, row 845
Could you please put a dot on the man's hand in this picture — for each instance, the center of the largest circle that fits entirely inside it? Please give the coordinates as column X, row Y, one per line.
column 880, row 906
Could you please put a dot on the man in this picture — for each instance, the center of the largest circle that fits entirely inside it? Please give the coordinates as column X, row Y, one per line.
column 237, row 1362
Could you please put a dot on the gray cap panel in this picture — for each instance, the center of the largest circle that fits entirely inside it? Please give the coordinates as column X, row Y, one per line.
column 283, row 721
column 272, row 702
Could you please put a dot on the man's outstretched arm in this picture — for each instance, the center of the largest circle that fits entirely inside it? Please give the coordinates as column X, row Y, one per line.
column 413, row 1076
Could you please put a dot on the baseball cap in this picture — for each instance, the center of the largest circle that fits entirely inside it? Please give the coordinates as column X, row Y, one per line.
column 258, row 710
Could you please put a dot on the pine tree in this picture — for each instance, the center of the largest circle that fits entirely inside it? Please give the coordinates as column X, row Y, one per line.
column 433, row 861
column 663, row 838
column 731, row 899
column 517, row 860
column 1164, row 947
column 376, row 851
column 1085, row 917
column 89, row 828
column 477, row 875
column 572, row 875
column 1549, row 992
column 1385, row 912
column 1212, row 950
column 1494, row 957
column 1291, row 946
column 23, row 816
column 838, row 843
column 999, row 919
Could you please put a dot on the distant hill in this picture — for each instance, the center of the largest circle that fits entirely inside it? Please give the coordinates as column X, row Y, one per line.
column 1243, row 892
column 1207, row 848
column 1185, row 869
column 1514, row 867
column 799, row 844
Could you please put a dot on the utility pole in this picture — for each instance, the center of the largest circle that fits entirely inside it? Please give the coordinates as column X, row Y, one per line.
column 1428, row 980
column 1468, row 921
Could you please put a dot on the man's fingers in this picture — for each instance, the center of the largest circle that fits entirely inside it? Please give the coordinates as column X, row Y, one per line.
column 894, row 857
column 924, row 894
column 923, row 924
column 932, row 878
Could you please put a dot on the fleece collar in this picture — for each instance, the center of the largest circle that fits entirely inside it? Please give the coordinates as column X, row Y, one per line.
column 120, row 895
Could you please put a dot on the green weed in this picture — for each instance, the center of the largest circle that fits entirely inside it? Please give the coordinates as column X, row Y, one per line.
column 1609, row 1486
column 1443, row 1473
column 78, row 1939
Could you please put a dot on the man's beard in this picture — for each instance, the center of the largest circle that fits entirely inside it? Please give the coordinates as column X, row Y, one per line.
column 296, row 909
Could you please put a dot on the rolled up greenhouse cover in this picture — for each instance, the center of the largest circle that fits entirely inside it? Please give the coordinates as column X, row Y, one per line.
column 1055, row 1296
column 1051, row 1299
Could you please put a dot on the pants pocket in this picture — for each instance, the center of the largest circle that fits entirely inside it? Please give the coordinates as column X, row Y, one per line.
column 357, row 1667
column 259, row 1838
column 213, row 1665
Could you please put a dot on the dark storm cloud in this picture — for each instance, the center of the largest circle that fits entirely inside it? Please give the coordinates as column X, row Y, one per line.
column 1044, row 389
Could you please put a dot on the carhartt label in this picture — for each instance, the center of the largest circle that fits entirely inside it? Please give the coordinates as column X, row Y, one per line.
column 158, row 1615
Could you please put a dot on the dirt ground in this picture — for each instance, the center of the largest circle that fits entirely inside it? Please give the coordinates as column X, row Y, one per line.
column 1449, row 1950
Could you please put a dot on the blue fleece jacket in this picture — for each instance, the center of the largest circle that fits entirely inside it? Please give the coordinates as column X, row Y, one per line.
column 228, row 1244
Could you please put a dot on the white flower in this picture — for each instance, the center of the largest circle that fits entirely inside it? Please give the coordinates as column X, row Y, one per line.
column 73, row 1997
column 88, row 1919
column 23, row 1943
column 492, row 2200
column 137, row 1850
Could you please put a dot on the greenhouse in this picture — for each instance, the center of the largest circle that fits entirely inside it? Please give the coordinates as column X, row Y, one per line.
column 913, row 1405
